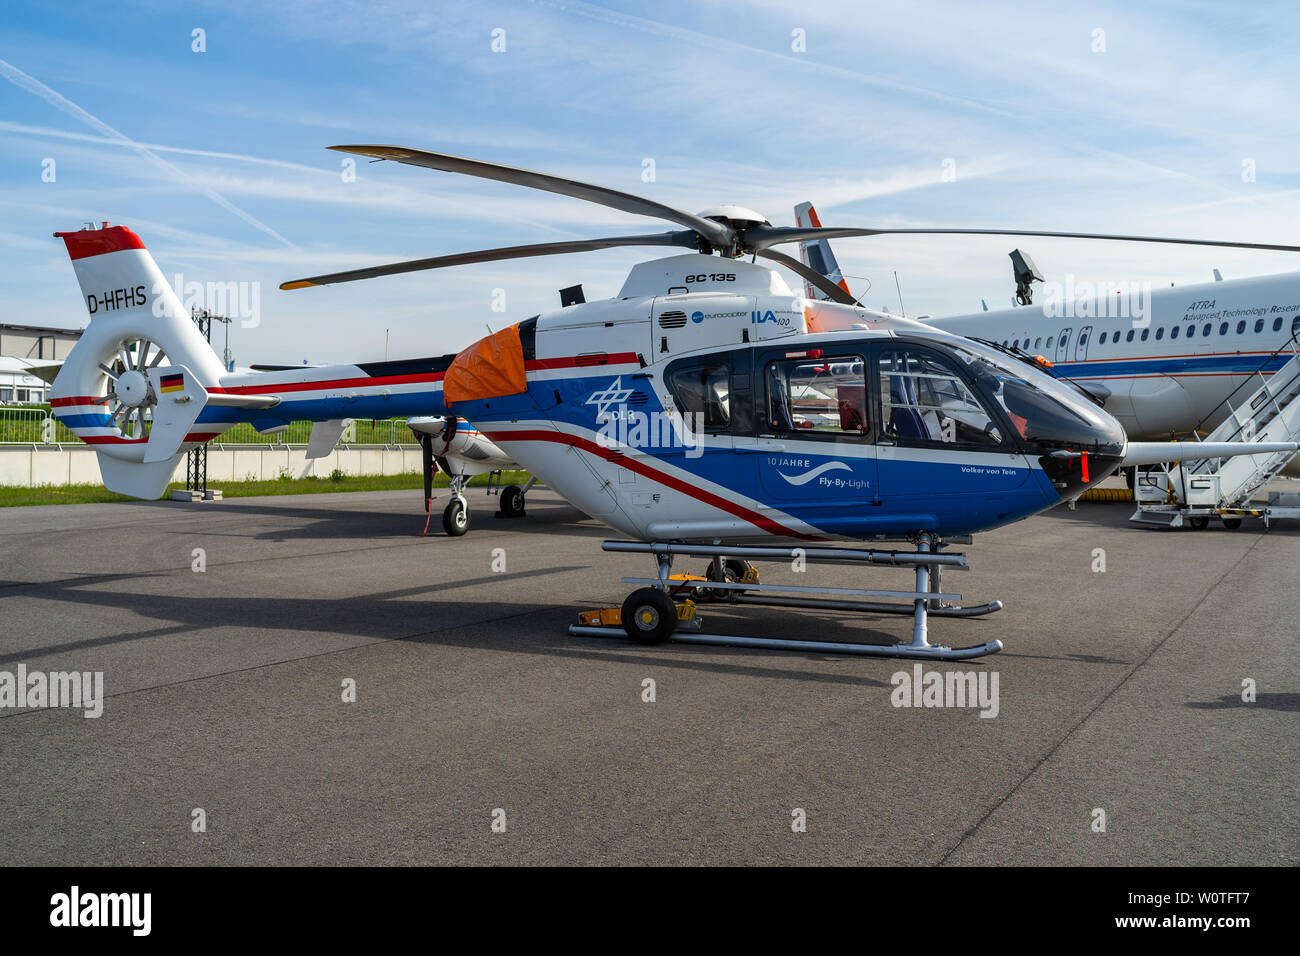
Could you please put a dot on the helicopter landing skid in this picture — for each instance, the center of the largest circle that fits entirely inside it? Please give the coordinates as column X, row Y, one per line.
column 650, row 623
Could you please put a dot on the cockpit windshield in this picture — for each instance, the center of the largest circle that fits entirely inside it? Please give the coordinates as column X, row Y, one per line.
column 1044, row 411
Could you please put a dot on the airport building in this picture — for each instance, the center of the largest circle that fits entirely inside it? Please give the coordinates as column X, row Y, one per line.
column 23, row 347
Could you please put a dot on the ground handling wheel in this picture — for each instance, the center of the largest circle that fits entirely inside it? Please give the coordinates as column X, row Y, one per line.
column 1198, row 522
column 455, row 518
column 649, row 616
column 1232, row 524
column 512, row 501
column 734, row 571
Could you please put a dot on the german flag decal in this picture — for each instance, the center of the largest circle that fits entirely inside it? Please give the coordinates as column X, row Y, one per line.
column 172, row 383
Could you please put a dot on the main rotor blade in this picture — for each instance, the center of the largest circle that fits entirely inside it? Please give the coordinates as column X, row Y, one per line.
column 684, row 238
column 719, row 234
column 761, row 237
column 811, row 275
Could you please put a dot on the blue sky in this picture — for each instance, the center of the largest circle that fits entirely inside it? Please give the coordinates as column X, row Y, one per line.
column 1148, row 136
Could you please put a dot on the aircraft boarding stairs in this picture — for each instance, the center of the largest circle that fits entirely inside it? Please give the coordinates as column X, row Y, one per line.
column 1225, row 487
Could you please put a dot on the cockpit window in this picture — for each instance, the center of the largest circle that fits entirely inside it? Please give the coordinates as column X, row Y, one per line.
column 823, row 396
column 922, row 398
column 704, row 391
column 1042, row 410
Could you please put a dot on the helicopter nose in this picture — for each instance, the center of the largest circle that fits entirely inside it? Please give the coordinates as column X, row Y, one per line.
column 1079, row 461
column 1077, row 443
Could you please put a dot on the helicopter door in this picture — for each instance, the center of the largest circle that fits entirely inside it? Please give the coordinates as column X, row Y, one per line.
column 812, row 448
column 1063, row 346
column 1081, row 344
column 938, row 439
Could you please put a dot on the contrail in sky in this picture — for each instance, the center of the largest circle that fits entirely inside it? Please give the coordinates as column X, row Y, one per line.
column 57, row 100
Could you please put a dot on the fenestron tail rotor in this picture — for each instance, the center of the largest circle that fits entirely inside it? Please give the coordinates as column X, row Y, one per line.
column 727, row 230
column 128, row 396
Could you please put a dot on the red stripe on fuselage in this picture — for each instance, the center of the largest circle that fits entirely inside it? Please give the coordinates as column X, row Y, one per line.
column 271, row 388
column 369, row 381
column 76, row 400
column 572, row 361
column 582, row 361
column 753, row 517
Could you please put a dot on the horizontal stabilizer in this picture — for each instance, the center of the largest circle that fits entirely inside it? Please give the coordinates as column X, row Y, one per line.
column 243, row 401
column 46, row 373
column 1158, row 452
column 324, row 436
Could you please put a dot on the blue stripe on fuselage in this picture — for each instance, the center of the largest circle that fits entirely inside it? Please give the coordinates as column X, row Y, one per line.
column 324, row 409
column 1241, row 363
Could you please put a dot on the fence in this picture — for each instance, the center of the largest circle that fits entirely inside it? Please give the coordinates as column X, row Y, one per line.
column 34, row 425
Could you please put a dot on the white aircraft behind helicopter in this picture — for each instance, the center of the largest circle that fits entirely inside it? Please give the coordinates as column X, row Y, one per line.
column 705, row 402
column 1162, row 360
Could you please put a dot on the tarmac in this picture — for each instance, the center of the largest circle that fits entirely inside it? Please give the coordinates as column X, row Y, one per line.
column 482, row 733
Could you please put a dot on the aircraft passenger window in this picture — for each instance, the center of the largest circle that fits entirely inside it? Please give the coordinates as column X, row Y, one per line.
column 1295, row 325
column 704, row 391
column 1259, row 325
column 1160, row 333
column 923, row 399
column 1083, row 339
column 1205, row 329
column 1038, row 342
column 1102, row 340
column 818, row 396
column 1241, row 326
column 1129, row 337
column 1145, row 334
column 1223, row 329
column 1173, row 333
column 1049, row 340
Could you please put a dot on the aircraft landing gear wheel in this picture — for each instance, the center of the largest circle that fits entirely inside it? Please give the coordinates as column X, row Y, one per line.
column 1198, row 522
column 512, row 501
column 649, row 616
column 1232, row 524
column 734, row 571
column 455, row 518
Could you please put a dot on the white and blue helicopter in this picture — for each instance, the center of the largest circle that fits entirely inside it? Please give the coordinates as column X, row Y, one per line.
column 705, row 410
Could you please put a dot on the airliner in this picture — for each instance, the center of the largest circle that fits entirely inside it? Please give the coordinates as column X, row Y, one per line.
column 1164, row 361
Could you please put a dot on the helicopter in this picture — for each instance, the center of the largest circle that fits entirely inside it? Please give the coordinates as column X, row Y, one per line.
column 704, row 410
